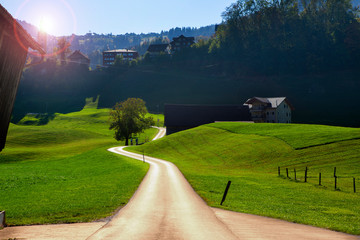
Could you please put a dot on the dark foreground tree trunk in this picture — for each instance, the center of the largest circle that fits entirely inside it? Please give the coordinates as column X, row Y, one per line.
column 127, row 141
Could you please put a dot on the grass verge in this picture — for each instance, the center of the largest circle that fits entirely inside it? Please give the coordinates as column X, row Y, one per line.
column 211, row 155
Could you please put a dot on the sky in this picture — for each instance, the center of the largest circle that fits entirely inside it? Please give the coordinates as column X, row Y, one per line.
column 65, row 17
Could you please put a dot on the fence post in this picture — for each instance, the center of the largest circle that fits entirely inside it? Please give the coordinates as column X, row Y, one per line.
column 287, row 172
column 354, row 185
column 335, row 182
column 226, row 191
column 295, row 173
column 320, row 179
column 306, row 170
column 279, row 171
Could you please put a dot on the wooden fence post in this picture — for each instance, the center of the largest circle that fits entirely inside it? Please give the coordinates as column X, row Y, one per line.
column 226, row 191
column 295, row 173
column 354, row 185
column 287, row 172
column 320, row 179
column 279, row 171
column 335, row 182
column 306, row 170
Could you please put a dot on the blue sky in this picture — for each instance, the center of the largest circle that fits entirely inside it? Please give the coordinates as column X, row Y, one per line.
column 64, row 17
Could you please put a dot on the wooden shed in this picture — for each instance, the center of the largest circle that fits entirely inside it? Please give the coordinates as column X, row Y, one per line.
column 14, row 45
column 179, row 117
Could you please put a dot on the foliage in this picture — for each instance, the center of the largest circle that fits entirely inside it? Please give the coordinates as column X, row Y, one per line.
column 287, row 36
column 129, row 117
column 209, row 156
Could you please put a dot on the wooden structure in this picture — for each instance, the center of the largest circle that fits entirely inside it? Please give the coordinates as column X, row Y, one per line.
column 182, row 117
column 14, row 45
column 78, row 57
column 181, row 42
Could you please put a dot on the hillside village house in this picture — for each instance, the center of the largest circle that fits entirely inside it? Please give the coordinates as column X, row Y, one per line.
column 157, row 49
column 270, row 110
column 110, row 56
column 78, row 57
column 14, row 45
column 181, row 42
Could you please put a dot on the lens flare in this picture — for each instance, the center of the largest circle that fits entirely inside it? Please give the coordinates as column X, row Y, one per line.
column 46, row 25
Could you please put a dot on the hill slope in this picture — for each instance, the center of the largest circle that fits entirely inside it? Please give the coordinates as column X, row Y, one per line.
column 211, row 155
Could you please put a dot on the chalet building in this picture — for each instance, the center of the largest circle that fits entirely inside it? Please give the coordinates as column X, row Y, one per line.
column 78, row 57
column 182, row 42
column 110, row 56
column 156, row 49
column 14, row 45
column 270, row 110
column 182, row 117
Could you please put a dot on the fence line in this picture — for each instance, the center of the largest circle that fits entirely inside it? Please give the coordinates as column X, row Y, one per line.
column 297, row 172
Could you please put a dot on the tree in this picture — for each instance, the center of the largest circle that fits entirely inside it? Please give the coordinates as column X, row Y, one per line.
column 63, row 49
column 129, row 117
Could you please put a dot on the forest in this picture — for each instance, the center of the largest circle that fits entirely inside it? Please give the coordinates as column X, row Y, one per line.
column 306, row 50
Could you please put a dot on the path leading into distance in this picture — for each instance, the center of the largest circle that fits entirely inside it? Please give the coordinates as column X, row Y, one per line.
column 166, row 207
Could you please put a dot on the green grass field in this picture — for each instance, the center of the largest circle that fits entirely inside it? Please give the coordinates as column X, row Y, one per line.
column 61, row 172
column 249, row 155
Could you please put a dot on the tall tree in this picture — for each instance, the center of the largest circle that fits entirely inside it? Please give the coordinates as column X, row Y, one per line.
column 129, row 117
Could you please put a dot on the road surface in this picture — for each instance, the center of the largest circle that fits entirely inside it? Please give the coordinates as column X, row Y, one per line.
column 166, row 207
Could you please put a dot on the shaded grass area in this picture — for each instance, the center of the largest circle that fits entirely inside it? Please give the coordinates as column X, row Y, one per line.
column 211, row 155
column 296, row 135
column 61, row 172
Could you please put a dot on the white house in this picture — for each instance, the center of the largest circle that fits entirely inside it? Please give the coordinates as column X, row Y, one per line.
column 270, row 110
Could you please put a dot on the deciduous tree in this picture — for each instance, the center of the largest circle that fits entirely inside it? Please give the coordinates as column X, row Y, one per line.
column 129, row 117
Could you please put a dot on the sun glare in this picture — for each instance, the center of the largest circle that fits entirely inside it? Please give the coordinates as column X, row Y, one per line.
column 46, row 24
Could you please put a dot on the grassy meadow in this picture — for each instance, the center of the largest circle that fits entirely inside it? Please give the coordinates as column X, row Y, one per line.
column 249, row 156
column 61, row 172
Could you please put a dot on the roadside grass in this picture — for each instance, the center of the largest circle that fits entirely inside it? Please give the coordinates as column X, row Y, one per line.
column 61, row 172
column 211, row 155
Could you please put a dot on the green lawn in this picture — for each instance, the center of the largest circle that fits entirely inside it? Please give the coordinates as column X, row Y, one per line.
column 61, row 172
column 249, row 155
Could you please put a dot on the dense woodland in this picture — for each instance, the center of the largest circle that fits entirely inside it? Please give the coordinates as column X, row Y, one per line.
column 306, row 50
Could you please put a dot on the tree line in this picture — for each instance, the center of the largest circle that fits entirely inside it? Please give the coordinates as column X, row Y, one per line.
column 285, row 36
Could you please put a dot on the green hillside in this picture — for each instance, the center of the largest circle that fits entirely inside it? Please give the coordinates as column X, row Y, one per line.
column 249, row 155
column 61, row 172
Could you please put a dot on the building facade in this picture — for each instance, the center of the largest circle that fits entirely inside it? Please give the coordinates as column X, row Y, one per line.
column 14, row 45
column 181, row 42
column 270, row 110
column 110, row 56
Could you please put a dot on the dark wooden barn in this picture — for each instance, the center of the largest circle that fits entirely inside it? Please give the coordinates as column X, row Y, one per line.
column 182, row 117
column 14, row 45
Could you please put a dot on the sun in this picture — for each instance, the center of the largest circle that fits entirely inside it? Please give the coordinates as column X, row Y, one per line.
column 46, row 24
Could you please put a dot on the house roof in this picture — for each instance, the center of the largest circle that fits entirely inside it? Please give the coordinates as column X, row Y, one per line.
column 120, row 51
column 77, row 54
column 157, row 47
column 183, row 37
column 25, row 39
column 177, row 115
column 272, row 102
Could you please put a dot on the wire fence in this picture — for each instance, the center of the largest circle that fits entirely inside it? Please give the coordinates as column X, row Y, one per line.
column 327, row 180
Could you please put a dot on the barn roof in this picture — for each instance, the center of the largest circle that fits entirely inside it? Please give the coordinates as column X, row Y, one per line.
column 157, row 47
column 26, row 39
column 196, row 115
